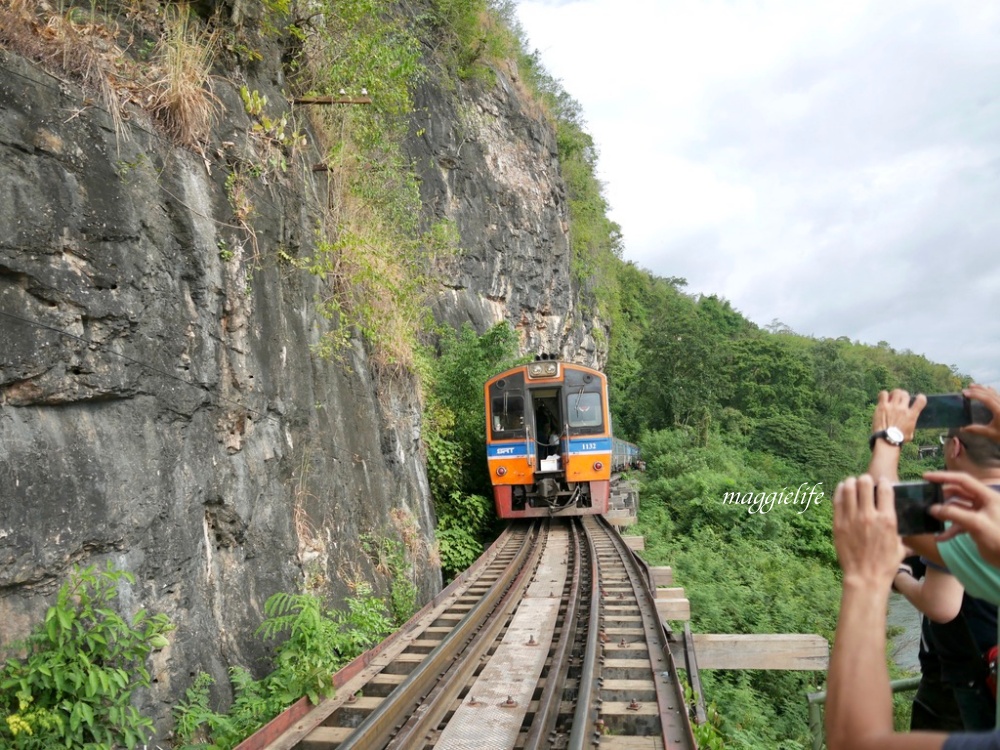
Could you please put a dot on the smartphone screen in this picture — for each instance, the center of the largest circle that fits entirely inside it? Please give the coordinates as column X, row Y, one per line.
column 945, row 410
column 952, row 410
column 912, row 501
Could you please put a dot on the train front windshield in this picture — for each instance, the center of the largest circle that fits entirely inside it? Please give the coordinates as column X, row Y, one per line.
column 508, row 415
column 507, row 408
column 584, row 410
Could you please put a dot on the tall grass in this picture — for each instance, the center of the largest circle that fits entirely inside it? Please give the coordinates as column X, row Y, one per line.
column 182, row 97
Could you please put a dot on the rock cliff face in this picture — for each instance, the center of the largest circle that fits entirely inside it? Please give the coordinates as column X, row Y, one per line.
column 490, row 165
column 160, row 403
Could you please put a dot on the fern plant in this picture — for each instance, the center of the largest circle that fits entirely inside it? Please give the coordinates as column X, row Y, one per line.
column 319, row 642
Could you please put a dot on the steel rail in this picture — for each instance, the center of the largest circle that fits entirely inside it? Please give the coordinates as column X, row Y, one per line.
column 379, row 726
column 675, row 725
column 293, row 725
column 542, row 730
column 438, row 702
column 585, row 716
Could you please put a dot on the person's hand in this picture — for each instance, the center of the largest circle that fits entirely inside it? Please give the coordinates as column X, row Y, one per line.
column 864, row 532
column 976, row 512
column 991, row 399
column 894, row 410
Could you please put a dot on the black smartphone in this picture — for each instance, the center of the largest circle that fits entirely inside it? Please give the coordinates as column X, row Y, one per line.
column 952, row 410
column 912, row 501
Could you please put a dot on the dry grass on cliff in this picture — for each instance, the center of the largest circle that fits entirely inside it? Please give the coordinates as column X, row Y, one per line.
column 182, row 99
column 71, row 44
column 85, row 47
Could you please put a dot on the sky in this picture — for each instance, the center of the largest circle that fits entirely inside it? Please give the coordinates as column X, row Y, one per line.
column 830, row 164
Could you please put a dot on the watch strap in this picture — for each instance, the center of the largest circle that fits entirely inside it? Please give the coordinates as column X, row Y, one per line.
column 883, row 435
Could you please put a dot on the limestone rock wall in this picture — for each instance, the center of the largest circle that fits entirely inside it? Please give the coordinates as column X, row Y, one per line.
column 488, row 162
column 161, row 406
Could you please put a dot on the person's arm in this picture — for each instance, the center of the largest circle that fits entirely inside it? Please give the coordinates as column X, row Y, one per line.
column 938, row 594
column 925, row 545
column 859, row 698
column 893, row 410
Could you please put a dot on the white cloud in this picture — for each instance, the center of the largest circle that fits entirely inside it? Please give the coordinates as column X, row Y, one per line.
column 833, row 164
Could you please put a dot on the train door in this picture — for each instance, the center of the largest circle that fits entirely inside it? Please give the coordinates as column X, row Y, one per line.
column 548, row 414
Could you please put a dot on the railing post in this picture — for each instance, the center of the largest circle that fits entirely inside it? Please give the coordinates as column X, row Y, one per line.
column 818, row 699
column 816, row 719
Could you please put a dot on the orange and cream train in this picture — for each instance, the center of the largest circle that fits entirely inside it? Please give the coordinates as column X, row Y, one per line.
column 548, row 440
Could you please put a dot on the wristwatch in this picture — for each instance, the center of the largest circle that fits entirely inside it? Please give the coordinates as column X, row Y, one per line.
column 891, row 435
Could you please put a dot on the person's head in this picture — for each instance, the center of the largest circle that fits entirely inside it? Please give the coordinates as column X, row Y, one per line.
column 975, row 454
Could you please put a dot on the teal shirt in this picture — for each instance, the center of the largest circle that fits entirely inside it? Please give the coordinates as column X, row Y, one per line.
column 979, row 578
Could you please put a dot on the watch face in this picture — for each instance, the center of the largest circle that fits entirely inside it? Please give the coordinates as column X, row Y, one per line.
column 894, row 435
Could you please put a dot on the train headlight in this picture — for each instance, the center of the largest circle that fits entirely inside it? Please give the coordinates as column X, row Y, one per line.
column 501, row 470
column 543, row 369
column 598, row 466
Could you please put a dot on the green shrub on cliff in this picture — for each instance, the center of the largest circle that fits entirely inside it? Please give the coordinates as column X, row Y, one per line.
column 70, row 683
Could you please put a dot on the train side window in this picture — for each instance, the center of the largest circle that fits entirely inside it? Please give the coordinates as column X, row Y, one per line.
column 508, row 413
column 585, row 410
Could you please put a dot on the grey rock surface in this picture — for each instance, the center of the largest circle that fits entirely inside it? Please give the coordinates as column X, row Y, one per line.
column 489, row 164
column 160, row 402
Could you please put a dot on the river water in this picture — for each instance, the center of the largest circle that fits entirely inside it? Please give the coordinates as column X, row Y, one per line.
column 903, row 647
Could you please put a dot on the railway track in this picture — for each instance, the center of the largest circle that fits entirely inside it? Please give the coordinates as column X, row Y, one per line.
column 551, row 640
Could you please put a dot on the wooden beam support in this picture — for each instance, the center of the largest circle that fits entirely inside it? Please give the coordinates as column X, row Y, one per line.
column 663, row 576
column 673, row 609
column 694, row 678
column 673, row 592
column 635, row 543
column 794, row 651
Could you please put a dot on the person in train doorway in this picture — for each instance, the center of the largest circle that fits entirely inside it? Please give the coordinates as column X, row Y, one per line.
column 548, row 432
column 957, row 629
column 553, row 441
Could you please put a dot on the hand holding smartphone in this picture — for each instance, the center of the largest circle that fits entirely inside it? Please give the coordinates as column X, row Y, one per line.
column 913, row 500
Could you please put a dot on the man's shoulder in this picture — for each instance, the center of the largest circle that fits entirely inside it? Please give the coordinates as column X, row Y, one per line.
column 979, row 578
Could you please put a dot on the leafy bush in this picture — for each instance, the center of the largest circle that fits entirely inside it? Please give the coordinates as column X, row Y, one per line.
column 73, row 684
column 744, row 573
column 463, row 521
column 454, row 415
column 390, row 560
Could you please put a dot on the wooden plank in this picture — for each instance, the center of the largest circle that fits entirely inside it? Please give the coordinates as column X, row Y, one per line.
column 761, row 651
column 673, row 609
column 662, row 576
column 635, row 543
column 323, row 737
column 619, row 742
column 673, row 592
column 621, row 518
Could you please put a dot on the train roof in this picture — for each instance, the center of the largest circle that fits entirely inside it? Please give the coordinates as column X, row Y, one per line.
column 562, row 364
